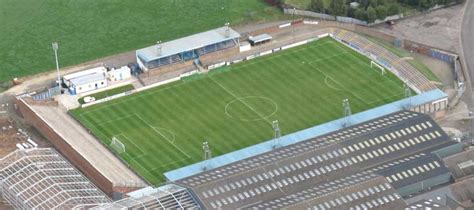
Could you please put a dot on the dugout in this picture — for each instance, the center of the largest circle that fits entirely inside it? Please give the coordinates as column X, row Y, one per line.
column 187, row 48
column 260, row 39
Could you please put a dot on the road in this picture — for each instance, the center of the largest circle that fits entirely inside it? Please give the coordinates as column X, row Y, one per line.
column 467, row 36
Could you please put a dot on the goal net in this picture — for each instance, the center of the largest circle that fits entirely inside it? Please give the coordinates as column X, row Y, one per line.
column 117, row 145
column 376, row 65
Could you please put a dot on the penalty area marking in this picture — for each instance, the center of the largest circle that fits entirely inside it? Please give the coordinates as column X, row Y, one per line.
column 171, row 133
column 331, row 86
column 260, row 117
column 170, row 163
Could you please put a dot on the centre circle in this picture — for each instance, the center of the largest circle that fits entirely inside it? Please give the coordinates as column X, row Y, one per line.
column 251, row 108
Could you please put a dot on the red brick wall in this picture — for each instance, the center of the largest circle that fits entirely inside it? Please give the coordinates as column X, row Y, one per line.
column 65, row 149
column 219, row 56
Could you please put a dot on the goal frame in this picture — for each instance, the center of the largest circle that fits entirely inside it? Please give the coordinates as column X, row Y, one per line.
column 117, row 145
column 373, row 63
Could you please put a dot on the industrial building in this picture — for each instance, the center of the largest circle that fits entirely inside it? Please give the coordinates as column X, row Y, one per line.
column 367, row 165
column 187, row 48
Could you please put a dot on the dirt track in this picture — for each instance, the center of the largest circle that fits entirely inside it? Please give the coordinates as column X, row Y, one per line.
column 439, row 28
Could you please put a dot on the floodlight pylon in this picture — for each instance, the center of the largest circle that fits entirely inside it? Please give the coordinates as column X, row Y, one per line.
column 207, row 154
column 347, row 111
column 407, row 96
column 277, row 134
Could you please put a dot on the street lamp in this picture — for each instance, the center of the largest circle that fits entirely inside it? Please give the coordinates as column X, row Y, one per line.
column 55, row 48
column 292, row 26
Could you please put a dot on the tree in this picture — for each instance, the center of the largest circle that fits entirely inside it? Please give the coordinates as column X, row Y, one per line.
column 393, row 9
column 338, row 7
column 371, row 14
column 351, row 12
column 373, row 3
column 360, row 14
column 317, row 6
column 381, row 12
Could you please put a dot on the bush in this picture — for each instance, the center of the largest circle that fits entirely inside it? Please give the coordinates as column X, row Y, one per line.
column 381, row 12
column 371, row 14
column 360, row 14
column 393, row 9
column 317, row 6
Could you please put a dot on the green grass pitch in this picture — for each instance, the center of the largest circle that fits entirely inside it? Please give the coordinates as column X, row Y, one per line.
column 163, row 128
column 91, row 29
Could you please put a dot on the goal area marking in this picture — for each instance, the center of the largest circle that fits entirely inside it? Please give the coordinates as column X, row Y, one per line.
column 373, row 63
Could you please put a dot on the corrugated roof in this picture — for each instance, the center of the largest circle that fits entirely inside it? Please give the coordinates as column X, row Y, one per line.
column 187, row 43
column 85, row 72
column 260, row 38
column 87, row 79
column 415, row 171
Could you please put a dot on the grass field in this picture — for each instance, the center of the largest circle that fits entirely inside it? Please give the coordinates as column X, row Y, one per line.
column 163, row 128
column 90, row 29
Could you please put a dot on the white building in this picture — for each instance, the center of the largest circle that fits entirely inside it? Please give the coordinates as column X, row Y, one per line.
column 87, row 80
column 119, row 74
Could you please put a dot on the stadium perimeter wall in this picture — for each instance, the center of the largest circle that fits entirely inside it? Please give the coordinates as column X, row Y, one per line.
column 64, row 148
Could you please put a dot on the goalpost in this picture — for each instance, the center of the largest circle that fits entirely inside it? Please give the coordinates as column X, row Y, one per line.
column 382, row 69
column 117, row 145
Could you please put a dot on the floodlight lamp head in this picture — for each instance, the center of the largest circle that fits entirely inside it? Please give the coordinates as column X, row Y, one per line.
column 55, row 45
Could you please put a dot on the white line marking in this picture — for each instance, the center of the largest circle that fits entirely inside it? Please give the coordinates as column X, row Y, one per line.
column 132, row 142
column 353, row 93
column 251, row 119
column 170, row 163
column 158, row 132
column 116, row 119
column 242, row 101
column 326, row 58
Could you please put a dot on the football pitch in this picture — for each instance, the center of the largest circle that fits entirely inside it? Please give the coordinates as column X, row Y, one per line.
column 233, row 107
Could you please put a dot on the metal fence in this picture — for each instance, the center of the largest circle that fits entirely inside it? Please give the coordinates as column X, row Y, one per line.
column 306, row 13
column 351, row 20
column 47, row 94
